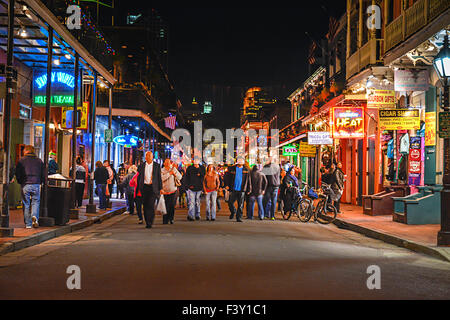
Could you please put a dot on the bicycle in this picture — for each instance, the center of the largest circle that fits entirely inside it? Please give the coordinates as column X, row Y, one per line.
column 300, row 204
column 324, row 212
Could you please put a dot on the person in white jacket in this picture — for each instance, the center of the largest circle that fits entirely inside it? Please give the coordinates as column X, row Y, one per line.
column 171, row 177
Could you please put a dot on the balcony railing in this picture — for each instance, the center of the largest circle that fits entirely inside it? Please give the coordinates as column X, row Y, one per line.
column 413, row 19
column 369, row 54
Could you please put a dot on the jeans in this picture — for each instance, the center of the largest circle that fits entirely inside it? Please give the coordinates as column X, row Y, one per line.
column 239, row 197
column 270, row 201
column 170, row 201
column 31, row 198
column 251, row 206
column 211, row 205
column 130, row 202
column 103, row 201
column 194, row 203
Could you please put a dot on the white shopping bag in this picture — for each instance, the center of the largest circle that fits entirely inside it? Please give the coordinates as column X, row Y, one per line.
column 161, row 208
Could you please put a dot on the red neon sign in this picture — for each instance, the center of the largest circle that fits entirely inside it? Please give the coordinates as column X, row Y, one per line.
column 347, row 123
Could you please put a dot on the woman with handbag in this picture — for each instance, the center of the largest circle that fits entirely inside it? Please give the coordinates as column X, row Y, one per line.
column 170, row 182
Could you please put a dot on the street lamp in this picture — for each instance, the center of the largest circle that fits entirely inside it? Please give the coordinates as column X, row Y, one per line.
column 442, row 65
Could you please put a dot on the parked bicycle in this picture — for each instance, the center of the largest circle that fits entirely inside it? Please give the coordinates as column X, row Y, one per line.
column 324, row 212
column 299, row 203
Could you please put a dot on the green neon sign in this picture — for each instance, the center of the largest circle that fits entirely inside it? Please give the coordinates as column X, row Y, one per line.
column 290, row 151
column 57, row 100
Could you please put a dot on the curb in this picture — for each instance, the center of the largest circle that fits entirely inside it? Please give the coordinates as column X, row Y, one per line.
column 410, row 245
column 38, row 238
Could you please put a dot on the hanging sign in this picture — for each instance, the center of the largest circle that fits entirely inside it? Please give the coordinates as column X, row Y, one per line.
column 82, row 117
column 415, row 161
column 290, row 151
column 108, row 136
column 411, row 80
column 62, row 92
column 381, row 99
column 307, row 151
column 399, row 119
column 430, row 129
column 319, row 138
column 444, row 125
column 347, row 123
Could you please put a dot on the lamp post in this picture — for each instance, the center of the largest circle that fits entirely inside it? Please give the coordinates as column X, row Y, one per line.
column 442, row 65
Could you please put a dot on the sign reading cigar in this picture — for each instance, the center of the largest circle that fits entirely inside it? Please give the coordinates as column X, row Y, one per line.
column 347, row 123
column 399, row 119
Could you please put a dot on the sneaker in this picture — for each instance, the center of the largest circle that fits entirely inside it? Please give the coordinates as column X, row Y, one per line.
column 28, row 227
column 35, row 222
column 239, row 220
column 273, row 219
column 141, row 222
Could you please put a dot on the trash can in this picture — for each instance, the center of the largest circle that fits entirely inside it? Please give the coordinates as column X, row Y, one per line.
column 59, row 197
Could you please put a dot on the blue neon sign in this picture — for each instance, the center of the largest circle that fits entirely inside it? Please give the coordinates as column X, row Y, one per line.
column 128, row 141
column 57, row 77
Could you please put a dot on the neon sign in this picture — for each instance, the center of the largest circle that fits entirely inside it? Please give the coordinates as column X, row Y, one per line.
column 127, row 141
column 347, row 123
column 290, row 151
column 59, row 77
column 62, row 88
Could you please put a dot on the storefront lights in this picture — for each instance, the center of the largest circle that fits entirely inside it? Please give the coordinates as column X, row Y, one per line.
column 442, row 61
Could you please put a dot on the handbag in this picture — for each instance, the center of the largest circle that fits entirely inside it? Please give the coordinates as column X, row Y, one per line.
column 161, row 208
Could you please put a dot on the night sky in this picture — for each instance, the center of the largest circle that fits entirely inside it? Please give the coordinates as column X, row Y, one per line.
column 242, row 46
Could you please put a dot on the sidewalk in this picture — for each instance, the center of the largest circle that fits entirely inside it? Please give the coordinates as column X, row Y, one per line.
column 422, row 239
column 24, row 238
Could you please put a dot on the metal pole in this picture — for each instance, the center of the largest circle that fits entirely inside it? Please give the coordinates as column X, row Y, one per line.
column 444, row 234
column 74, row 136
column 5, row 230
column 110, row 122
column 91, row 208
column 44, row 219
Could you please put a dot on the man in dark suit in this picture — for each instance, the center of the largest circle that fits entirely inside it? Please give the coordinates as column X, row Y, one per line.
column 150, row 186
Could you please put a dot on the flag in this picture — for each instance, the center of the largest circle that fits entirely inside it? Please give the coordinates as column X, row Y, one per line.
column 171, row 122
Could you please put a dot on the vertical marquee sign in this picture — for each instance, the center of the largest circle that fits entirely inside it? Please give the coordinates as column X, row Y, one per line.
column 347, row 123
column 63, row 84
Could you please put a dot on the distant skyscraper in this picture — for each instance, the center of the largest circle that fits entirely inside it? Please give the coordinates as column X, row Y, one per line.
column 207, row 107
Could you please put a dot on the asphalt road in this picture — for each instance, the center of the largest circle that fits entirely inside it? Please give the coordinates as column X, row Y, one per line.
column 222, row 260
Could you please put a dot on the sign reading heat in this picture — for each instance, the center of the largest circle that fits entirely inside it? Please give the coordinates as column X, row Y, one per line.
column 347, row 123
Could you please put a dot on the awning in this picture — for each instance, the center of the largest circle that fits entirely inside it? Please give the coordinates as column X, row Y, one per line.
column 132, row 114
column 292, row 140
column 30, row 43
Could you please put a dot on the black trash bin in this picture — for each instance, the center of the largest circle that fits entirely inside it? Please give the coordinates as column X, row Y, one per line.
column 59, row 196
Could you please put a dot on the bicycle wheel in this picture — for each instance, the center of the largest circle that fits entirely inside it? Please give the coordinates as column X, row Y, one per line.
column 327, row 215
column 304, row 212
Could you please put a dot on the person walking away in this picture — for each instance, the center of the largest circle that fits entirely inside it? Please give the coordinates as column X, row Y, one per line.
column 129, row 190
column 121, row 174
column 137, row 196
column 272, row 172
column 182, row 188
column 80, row 181
column 290, row 182
column 30, row 173
column 150, row 186
column 211, row 186
column 259, row 185
column 194, row 183
column 53, row 166
column 169, row 176
column 339, row 186
column 238, row 182
column 281, row 190
column 101, row 177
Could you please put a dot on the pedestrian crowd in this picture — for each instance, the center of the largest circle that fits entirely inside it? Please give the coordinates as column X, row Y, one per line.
column 149, row 187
